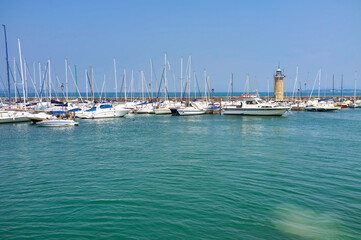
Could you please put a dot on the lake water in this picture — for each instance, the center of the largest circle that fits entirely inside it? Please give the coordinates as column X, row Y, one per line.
column 196, row 177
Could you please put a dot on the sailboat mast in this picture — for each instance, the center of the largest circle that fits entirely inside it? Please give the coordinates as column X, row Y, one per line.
column 205, row 85
column 39, row 75
column 49, row 81
column 86, row 84
column 255, row 84
column 26, row 80
column 91, row 84
column 76, row 82
column 354, row 96
column 231, row 84
column 131, row 87
column 181, row 96
column 15, row 80
column 189, row 79
column 34, row 75
column 342, row 87
column 195, row 85
column 115, row 80
column 319, row 84
column 151, row 79
column 165, row 76
column 22, row 72
column 125, row 85
column 66, row 78
column 7, row 65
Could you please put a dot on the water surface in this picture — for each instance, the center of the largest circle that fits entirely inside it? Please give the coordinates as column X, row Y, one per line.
column 198, row 177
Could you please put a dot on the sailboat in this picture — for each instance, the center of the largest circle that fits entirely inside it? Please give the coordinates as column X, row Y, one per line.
column 57, row 122
column 193, row 109
column 10, row 116
column 163, row 107
column 320, row 105
column 354, row 104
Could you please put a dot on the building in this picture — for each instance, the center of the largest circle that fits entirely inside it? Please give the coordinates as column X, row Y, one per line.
column 278, row 85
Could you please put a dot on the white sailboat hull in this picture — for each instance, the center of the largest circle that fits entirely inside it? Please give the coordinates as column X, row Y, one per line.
column 162, row 111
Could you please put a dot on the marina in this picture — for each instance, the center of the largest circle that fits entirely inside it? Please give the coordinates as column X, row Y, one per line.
column 180, row 120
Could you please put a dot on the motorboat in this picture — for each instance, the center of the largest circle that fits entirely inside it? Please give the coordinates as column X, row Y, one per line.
column 321, row 105
column 40, row 116
column 252, row 105
column 57, row 123
column 103, row 111
column 188, row 111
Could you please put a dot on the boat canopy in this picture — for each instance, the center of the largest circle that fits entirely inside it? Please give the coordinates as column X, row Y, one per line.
column 56, row 102
column 61, row 105
column 74, row 110
column 91, row 109
column 325, row 99
column 111, row 100
column 55, row 112
column 105, row 106
column 142, row 103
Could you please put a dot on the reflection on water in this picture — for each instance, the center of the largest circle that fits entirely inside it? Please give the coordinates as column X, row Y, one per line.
column 306, row 223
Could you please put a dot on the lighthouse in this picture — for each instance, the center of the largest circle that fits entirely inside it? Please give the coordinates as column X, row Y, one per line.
column 278, row 86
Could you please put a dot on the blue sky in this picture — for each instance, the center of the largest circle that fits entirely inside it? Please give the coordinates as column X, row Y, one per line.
column 243, row 37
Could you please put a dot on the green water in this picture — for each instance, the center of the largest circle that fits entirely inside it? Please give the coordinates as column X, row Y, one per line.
column 198, row 177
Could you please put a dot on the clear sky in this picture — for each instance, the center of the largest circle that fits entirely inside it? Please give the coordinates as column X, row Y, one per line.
column 243, row 37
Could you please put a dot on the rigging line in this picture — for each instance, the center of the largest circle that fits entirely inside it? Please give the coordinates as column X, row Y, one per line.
column 16, row 87
column 71, row 73
column 3, row 87
column 199, row 91
column 44, row 77
column 32, row 81
column 160, row 84
column 121, row 88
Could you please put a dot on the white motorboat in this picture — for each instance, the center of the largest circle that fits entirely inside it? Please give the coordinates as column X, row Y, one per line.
column 252, row 105
column 38, row 117
column 322, row 105
column 13, row 116
column 103, row 111
column 57, row 123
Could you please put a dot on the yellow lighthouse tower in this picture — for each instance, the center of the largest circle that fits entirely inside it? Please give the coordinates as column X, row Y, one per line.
column 278, row 87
